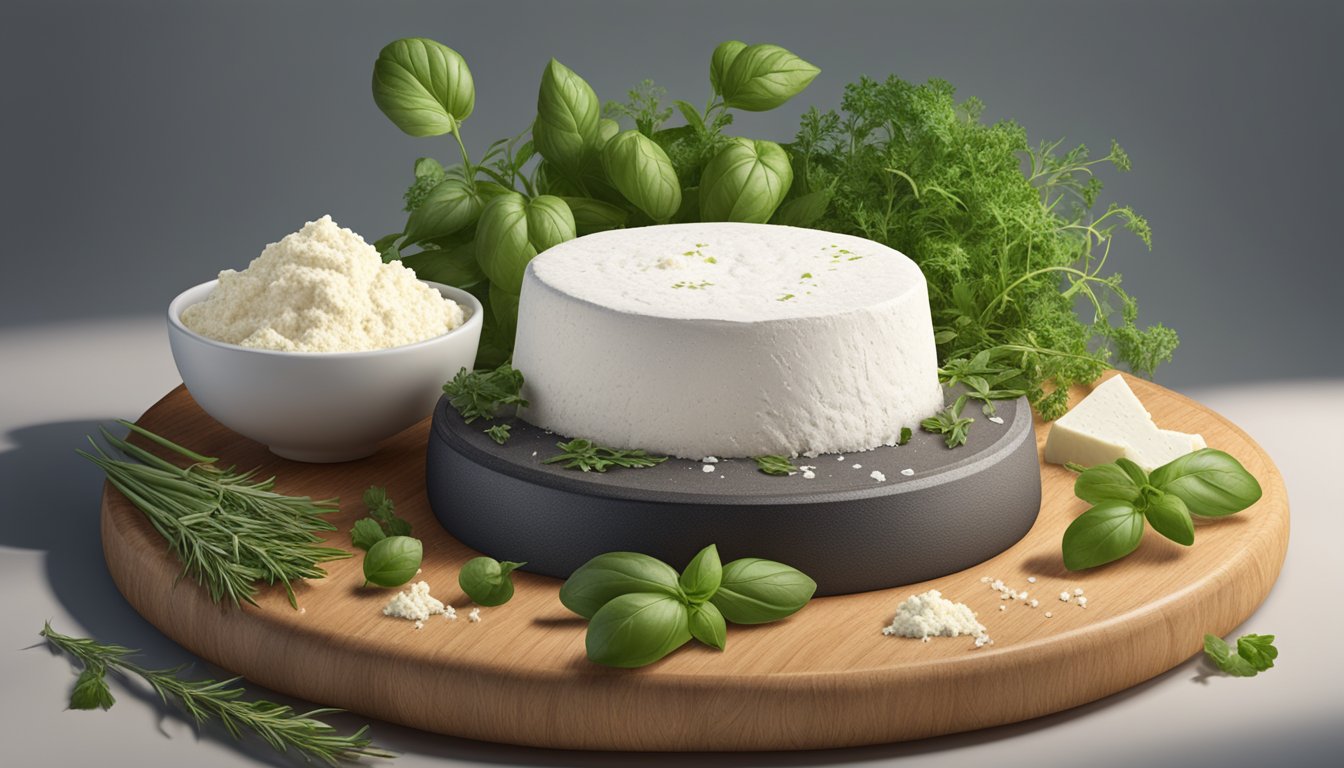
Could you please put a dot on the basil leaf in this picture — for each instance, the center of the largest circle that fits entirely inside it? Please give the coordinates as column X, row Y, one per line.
column 1169, row 517
column 487, row 581
column 1210, row 482
column 707, row 625
column 643, row 174
column 1106, row 482
column 637, row 629
column 392, row 561
column 1106, row 532
column 366, row 533
column 452, row 205
column 1257, row 650
column 608, row 576
column 804, row 210
column 549, row 223
column 513, row 229
column 91, row 691
column 424, row 87
column 761, row 77
column 756, row 591
column 746, row 181
column 721, row 60
column 701, row 578
column 566, row 129
column 1133, row 471
column 504, row 309
column 594, row 215
column 455, row 265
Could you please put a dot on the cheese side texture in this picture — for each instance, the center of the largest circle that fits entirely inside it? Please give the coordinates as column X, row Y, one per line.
column 1110, row 423
column 726, row 340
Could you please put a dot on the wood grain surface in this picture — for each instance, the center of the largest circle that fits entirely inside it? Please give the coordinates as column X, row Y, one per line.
column 826, row 677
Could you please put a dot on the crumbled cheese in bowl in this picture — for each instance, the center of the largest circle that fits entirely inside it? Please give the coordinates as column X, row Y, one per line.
column 322, row 289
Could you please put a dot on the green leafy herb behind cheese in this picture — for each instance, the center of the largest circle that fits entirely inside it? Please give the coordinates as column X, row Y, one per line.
column 482, row 394
column 588, row 456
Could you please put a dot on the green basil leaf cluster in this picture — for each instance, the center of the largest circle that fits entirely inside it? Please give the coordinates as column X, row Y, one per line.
column 1206, row 482
column 639, row 609
column 487, row 581
column 477, row 223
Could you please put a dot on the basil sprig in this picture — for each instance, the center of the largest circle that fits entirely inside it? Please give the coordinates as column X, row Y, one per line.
column 1207, row 482
column 640, row 610
column 488, row 581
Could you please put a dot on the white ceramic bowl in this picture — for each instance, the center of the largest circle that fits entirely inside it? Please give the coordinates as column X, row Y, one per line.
column 320, row 406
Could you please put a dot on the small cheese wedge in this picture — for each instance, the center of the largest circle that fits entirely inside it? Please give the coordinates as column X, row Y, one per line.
column 1109, row 423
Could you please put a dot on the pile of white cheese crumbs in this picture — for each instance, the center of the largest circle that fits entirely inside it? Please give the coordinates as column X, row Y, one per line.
column 322, row 289
column 931, row 615
column 417, row 605
column 1008, row 593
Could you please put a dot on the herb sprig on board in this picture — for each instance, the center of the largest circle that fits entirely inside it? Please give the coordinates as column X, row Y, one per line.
column 229, row 530
column 1254, row 654
column 590, row 457
column 775, row 465
column 1206, row 482
column 212, row 701
column 483, row 394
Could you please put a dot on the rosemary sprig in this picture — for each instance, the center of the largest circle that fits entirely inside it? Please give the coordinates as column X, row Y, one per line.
column 589, row 456
column 212, row 700
column 229, row 530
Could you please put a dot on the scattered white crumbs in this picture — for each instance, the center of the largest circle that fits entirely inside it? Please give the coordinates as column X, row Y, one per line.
column 839, row 458
column 878, row 476
column 1064, row 597
column 1031, row 579
column 1021, row 595
column 475, row 615
column 450, row 613
column 419, row 624
column 908, row 472
column 1078, row 591
column 418, row 570
column 858, row 466
column 931, row 615
column 1003, row 607
column 708, row 468
column 1034, row 603
column 808, row 474
column 302, row 611
column 984, row 579
column 534, row 453
column 415, row 604
column 1082, row 602
column 996, row 419
column 710, row 460
column 1049, row 615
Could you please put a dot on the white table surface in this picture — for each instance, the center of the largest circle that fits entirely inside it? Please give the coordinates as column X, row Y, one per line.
column 57, row 382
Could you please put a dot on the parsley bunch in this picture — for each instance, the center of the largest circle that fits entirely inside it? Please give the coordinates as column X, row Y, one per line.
column 1253, row 654
column 591, row 457
column 1008, row 253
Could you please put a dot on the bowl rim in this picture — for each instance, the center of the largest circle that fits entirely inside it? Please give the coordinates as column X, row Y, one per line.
column 475, row 312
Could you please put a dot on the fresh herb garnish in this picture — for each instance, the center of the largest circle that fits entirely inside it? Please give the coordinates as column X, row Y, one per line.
column 488, row 581
column 392, row 561
column 253, row 534
column 481, row 394
column 1206, row 482
column 1254, row 654
column 775, row 465
column 381, row 522
column 591, row 457
column 211, row 700
column 640, row 610
column 499, row 433
column 906, row 434
column 949, row 423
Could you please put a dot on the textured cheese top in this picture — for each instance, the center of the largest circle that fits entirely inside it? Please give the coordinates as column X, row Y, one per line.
column 726, row 271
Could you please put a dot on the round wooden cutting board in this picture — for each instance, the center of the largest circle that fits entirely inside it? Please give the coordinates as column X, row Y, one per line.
column 827, row 677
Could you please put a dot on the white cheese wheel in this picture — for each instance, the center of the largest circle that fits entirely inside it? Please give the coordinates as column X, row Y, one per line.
column 727, row 340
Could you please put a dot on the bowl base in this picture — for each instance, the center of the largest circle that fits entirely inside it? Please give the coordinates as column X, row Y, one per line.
column 324, row 455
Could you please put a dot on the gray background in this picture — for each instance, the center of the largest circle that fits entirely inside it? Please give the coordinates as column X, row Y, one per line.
column 144, row 146
column 148, row 144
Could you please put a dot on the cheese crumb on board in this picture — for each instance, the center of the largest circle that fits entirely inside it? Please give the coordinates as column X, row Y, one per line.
column 475, row 615
column 878, row 476
column 996, row 419
column 708, row 468
column 1082, row 602
column 1049, row 615
column 415, row 604
column 1078, row 591
column 1064, row 597
column 1110, row 423
column 908, row 472
column 322, row 289
column 710, row 460
column 931, row 615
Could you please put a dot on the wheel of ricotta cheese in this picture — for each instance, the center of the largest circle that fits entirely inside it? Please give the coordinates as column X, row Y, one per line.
column 726, row 340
